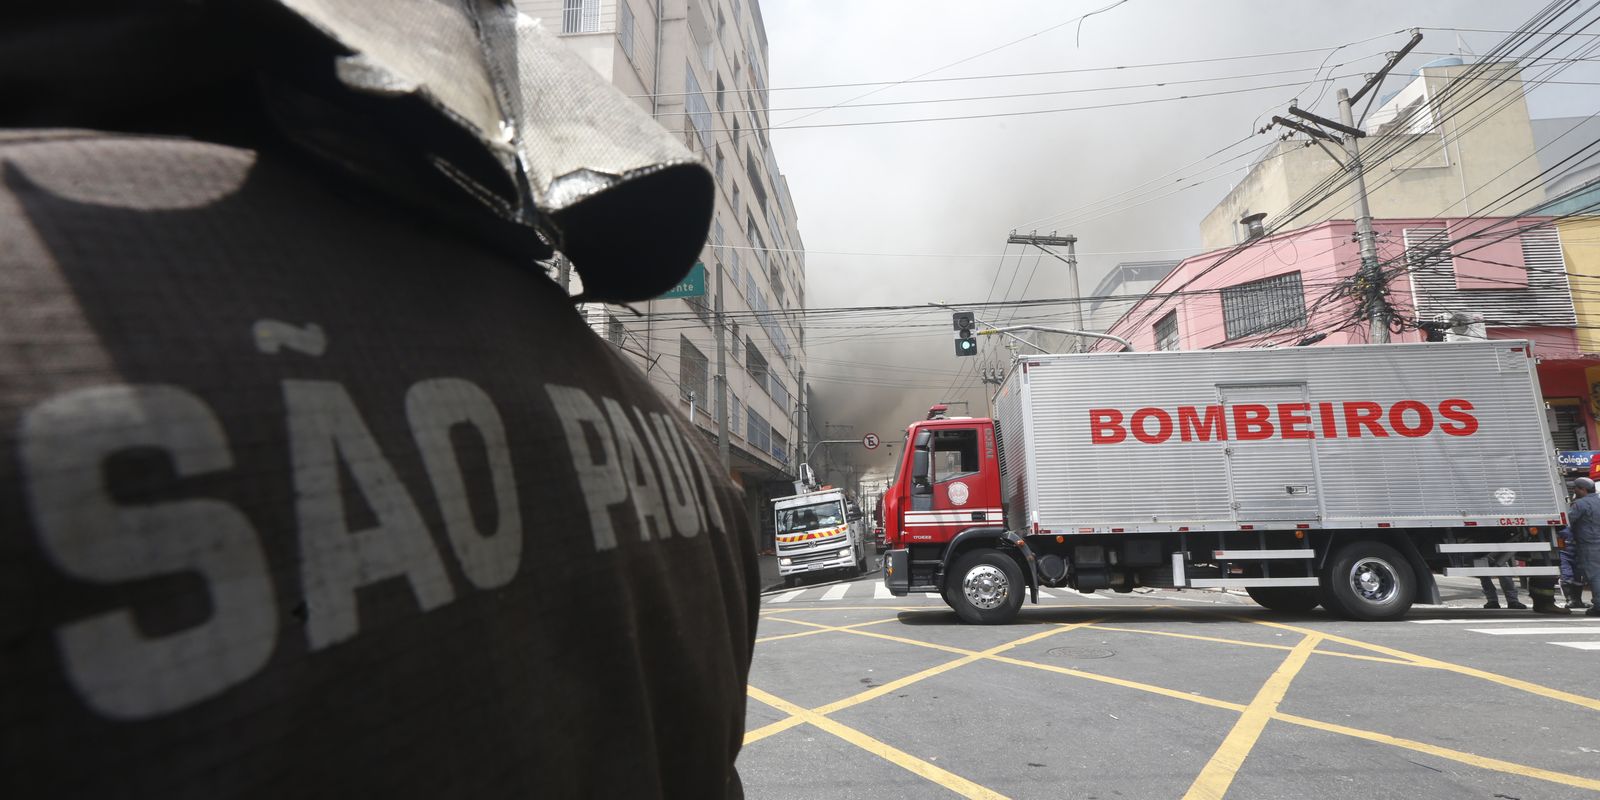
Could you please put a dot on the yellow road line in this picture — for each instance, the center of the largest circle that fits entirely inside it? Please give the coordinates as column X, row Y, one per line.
column 822, row 629
column 1453, row 755
column 1213, row 781
column 895, row 685
column 1242, row 643
column 1462, row 757
column 899, row 758
column 764, row 731
column 1424, row 661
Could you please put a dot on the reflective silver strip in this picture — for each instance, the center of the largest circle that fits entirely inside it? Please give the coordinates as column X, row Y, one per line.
column 1502, row 547
column 1178, row 575
column 1493, row 572
column 1229, row 583
column 1247, row 555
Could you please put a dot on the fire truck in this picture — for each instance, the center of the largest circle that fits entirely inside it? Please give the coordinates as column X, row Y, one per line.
column 1346, row 477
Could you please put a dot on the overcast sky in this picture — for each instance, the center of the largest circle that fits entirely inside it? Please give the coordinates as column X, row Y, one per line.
column 952, row 190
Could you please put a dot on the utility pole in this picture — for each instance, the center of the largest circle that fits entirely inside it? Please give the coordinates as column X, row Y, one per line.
column 800, row 414
column 722, row 379
column 1377, row 301
column 1071, row 243
column 1377, row 308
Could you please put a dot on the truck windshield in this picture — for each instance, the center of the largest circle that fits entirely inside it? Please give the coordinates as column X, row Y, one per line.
column 805, row 518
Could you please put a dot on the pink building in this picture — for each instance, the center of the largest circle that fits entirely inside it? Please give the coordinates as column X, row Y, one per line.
column 1304, row 286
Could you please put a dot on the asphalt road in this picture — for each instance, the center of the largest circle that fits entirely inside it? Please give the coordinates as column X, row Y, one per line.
column 855, row 694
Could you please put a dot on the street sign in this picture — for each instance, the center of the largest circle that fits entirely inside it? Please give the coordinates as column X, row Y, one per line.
column 692, row 285
column 870, row 441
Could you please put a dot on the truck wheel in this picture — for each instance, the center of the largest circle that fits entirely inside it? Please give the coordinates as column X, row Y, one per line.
column 1368, row 581
column 985, row 587
column 1286, row 598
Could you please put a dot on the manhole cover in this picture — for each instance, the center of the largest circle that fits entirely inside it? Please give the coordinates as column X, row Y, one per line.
column 1082, row 652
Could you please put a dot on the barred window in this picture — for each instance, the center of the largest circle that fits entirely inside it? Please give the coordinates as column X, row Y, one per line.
column 692, row 370
column 733, row 334
column 780, row 448
column 580, row 16
column 1167, row 332
column 735, row 409
column 1270, row 304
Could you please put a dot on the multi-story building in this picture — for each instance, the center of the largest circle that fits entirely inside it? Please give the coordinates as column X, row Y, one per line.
column 700, row 67
column 1454, row 149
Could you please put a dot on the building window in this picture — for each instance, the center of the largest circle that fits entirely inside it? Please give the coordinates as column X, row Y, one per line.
column 733, row 335
column 722, row 89
column 625, row 28
column 695, row 104
column 757, row 430
column 692, row 371
column 720, row 163
column 780, row 448
column 754, row 175
column 580, row 16
column 1167, row 332
column 736, row 195
column 756, row 365
column 1270, row 304
column 780, row 394
column 701, row 306
column 735, row 409
column 736, row 131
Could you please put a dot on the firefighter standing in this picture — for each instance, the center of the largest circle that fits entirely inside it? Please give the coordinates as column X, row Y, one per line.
column 1584, row 523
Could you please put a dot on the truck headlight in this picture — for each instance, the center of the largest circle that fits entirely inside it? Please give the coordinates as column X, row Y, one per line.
column 785, row 562
column 845, row 553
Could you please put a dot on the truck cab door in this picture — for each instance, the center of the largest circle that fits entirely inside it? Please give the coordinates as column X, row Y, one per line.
column 952, row 485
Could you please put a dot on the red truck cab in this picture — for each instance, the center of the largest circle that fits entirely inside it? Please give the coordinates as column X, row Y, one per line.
column 946, row 489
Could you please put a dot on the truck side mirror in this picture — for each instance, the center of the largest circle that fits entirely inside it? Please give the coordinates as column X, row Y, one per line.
column 919, row 473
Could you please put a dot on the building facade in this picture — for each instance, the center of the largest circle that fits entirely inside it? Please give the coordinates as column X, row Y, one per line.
column 700, row 68
column 1497, row 278
column 1453, row 149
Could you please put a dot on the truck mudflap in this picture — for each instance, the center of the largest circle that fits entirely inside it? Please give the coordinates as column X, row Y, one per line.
column 897, row 571
column 1027, row 556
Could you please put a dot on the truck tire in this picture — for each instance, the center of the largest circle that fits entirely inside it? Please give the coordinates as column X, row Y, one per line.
column 985, row 587
column 1368, row 581
column 1292, row 599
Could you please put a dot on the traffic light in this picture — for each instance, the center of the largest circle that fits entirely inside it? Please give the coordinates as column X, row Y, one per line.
column 966, row 341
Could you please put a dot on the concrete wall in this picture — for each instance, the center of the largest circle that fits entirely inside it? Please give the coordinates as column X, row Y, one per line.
column 1324, row 255
column 1462, row 167
column 1580, row 243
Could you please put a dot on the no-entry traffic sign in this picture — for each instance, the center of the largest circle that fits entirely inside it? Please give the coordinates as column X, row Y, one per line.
column 870, row 441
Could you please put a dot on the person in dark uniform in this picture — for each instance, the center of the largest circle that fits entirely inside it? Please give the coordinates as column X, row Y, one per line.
column 312, row 484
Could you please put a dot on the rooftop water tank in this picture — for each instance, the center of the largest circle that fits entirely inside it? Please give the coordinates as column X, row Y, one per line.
column 1447, row 61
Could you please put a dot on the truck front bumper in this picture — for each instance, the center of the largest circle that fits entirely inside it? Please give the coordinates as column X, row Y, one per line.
column 797, row 566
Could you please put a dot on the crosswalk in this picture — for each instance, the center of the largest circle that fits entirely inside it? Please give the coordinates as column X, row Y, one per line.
column 1575, row 632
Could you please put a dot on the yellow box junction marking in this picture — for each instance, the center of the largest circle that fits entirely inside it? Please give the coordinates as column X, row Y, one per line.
column 899, row 758
column 1398, row 657
column 1214, row 780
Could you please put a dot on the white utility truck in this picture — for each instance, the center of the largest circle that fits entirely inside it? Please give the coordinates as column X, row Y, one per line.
column 818, row 531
